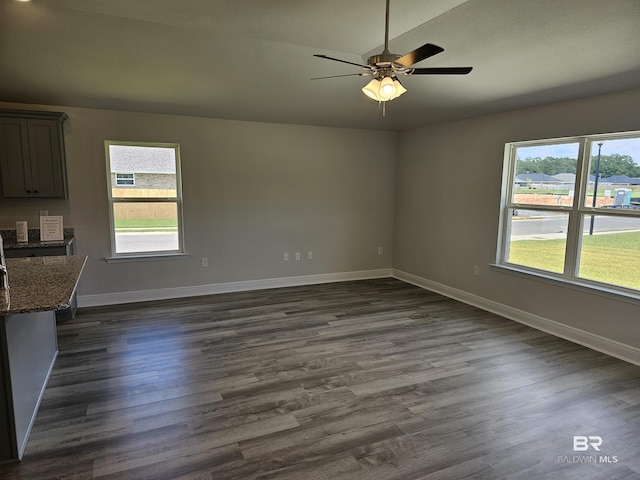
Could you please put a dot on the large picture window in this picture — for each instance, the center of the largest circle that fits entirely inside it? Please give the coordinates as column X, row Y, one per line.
column 145, row 214
column 571, row 210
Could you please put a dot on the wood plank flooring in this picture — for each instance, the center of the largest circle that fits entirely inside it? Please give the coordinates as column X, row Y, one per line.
column 358, row 380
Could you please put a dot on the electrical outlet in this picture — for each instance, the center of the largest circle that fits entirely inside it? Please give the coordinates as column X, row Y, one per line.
column 380, row 251
column 44, row 213
column 297, row 256
column 309, row 255
column 476, row 270
column 286, row 256
column 205, row 261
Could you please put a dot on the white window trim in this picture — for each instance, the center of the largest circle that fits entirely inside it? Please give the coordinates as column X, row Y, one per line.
column 145, row 255
column 576, row 212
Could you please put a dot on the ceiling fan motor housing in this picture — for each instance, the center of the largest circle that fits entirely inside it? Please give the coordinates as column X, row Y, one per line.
column 386, row 61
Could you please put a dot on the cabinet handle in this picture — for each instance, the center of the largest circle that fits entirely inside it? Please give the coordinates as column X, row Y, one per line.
column 35, row 191
column 28, row 191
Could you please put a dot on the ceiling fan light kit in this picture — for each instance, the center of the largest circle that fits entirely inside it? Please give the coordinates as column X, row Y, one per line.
column 372, row 89
column 385, row 90
column 385, row 67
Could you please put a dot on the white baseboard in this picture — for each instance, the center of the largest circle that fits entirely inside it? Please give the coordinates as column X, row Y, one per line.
column 216, row 288
column 595, row 342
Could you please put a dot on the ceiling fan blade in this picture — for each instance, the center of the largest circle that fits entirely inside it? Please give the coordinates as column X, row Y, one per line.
column 425, row 51
column 442, row 71
column 343, row 61
column 363, row 74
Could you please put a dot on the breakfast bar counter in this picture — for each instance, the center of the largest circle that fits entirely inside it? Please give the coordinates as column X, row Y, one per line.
column 28, row 341
column 40, row 284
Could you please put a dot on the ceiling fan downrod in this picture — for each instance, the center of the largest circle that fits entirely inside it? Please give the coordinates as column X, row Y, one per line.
column 386, row 30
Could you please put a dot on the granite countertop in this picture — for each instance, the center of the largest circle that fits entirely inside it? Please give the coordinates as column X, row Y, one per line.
column 10, row 242
column 40, row 283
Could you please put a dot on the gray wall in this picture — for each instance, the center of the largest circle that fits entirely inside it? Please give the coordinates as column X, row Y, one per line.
column 251, row 192
column 440, row 235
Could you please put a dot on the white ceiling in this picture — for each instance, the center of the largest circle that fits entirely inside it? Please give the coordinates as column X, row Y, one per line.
column 253, row 59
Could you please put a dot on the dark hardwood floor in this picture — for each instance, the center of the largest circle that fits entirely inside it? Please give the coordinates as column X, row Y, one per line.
column 358, row 380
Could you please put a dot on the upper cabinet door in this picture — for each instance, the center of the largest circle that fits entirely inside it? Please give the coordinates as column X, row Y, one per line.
column 32, row 158
column 15, row 163
column 46, row 164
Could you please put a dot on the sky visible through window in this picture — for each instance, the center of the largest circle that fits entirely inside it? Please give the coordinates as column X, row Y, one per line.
column 627, row 146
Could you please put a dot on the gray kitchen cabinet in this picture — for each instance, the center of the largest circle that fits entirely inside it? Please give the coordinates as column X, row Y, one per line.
column 32, row 156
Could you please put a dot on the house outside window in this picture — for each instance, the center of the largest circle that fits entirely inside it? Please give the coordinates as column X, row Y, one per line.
column 145, row 198
column 571, row 210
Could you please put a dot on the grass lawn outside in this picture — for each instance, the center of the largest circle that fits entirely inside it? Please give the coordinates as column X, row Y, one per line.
column 612, row 258
column 147, row 225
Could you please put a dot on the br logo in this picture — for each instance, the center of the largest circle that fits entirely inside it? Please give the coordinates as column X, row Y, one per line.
column 582, row 443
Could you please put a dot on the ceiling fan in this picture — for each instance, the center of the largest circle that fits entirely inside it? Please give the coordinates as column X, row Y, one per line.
column 386, row 66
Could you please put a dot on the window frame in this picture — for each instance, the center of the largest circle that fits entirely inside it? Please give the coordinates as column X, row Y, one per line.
column 578, row 213
column 146, row 254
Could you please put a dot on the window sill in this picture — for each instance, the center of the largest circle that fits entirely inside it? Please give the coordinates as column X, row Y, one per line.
column 583, row 286
column 147, row 257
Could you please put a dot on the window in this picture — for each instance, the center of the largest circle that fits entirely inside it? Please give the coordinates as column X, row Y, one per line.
column 145, row 198
column 125, row 179
column 571, row 210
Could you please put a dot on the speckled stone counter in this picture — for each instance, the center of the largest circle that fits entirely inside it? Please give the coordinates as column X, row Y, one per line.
column 40, row 283
column 11, row 243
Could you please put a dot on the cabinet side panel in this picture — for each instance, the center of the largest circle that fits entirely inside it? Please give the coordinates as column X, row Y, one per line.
column 32, row 346
column 8, row 450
